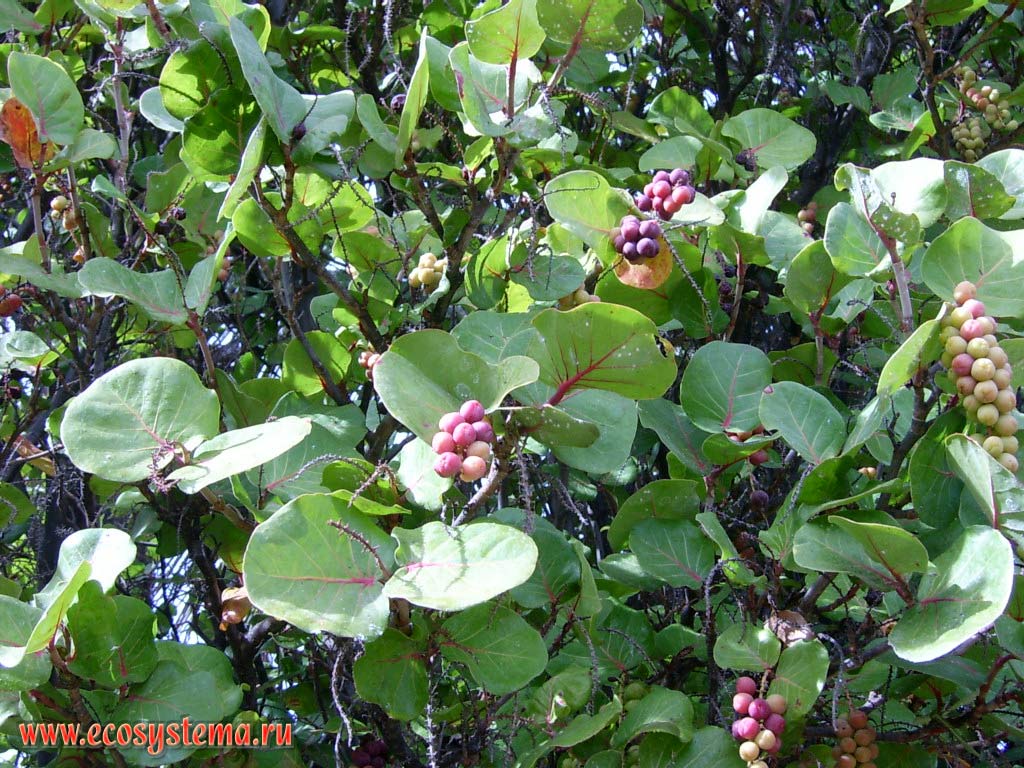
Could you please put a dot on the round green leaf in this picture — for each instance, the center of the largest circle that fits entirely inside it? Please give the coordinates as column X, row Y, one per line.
column 507, row 33
column 800, row 676
column 957, row 599
column 973, row 191
column 50, row 94
column 675, row 551
column 392, row 673
column 660, row 500
column 919, row 350
column 115, row 428
column 747, row 648
column 449, row 569
column 852, row 244
column 1008, row 167
column 773, row 138
column 660, row 711
column 722, row 386
column 300, row 568
column 805, row 419
column 158, row 294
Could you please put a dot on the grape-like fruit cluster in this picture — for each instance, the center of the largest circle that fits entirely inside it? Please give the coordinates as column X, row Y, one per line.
column 637, row 239
column 856, row 745
column 972, row 133
column 428, row 272
column 760, row 723
column 980, row 370
column 368, row 359
column 463, row 446
column 666, row 193
column 60, row 208
column 808, row 217
column 577, row 297
column 371, row 753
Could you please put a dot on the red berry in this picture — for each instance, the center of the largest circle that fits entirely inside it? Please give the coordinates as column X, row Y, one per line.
column 975, row 307
column 448, row 465
column 649, row 190
column 443, row 443
column 464, row 435
column 662, row 189
column 775, row 723
column 650, row 228
column 682, row 195
column 757, row 458
column 10, row 304
column 679, row 176
column 962, row 364
column 746, row 685
column 644, row 203
column 662, row 176
column 972, row 329
column 631, row 231
column 484, row 431
column 450, row 421
column 759, row 709
column 741, row 703
column 472, row 410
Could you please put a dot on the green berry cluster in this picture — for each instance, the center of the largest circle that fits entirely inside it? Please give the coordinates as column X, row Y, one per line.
column 972, row 133
column 980, row 370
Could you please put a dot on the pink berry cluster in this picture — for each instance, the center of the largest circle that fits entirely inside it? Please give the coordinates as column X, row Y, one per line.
column 636, row 239
column 667, row 192
column 980, row 370
column 760, row 723
column 463, row 445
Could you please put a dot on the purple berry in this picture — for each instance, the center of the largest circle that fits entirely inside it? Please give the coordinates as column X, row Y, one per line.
column 649, row 189
column 679, row 176
column 618, row 242
column 746, row 685
column 361, row 758
column 650, row 228
column 643, row 202
column 759, row 709
column 484, row 431
column 629, row 250
column 748, row 728
column 775, row 723
column 450, row 421
column 631, row 231
column 647, row 248
column 661, row 176
column 472, row 410
column 683, row 195
column 736, row 730
column 448, row 465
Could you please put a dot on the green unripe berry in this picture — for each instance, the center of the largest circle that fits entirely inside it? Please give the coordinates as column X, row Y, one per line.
column 994, row 445
column 986, row 392
column 749, row 751
column 959, row 316
column 633, row 691
column 971, row 404
column 956, row 344
column 987, row 415
column 978, row 348
column 1010, row 444
column 983, row 369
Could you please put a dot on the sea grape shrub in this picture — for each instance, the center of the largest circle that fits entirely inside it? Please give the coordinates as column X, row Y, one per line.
column 855, row 746
column 428, row 271
column 637, row 239
column 980, row 370
column 463, row 444
column 759, row 722
column 973, row 132
column 666, row 193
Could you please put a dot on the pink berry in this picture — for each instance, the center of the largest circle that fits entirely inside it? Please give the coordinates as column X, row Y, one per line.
column 464, row 434
column 661, row 176
column 662, row 189
column 472, row 410
column 682, row 195
column 759, row 709
column 972, row 329
column 975, row 307
column 741, row 703
column 443, row 443
column 649, row 189
column 448, row 465
column 736, row 730
column 484, row 431
column 758, row 458
column 671, row 206
column 775, row 723
column 473, row 468
column 479, row 448
column 450, row 421
column 746, row 685
column 962, row 364
column 748, row 728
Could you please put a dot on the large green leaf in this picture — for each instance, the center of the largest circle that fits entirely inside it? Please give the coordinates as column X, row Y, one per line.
column 723, row 384
column 484, row 90
column 113, row 638
column 969, row 250
column 158, row 294
column 128, row 420
column 298, row 371
column 853, row 245
column 772, row 138
column 800, row 676
column 660, row 500
column 392, row 672
column 973, row 191
column 604, row 346
column 506, row 34
column 675, row 551
column 449, row 569
column 302, row 569
column 45, row 87
column 876, row 205
column 502, row 652
column 282, row 105
column 805, row 419
column 607, row 25
column 660, row 711
column 963, row 593
column 232, row 453
column 679, row 434
column 710, row 747
column 812, row 279
column 584, row 203
column 916, row 352
column 18, row 670
column 746, row 647
column 425, row 374
column 1008, row 167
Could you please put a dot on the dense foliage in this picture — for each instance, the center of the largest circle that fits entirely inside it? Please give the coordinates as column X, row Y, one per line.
column 541, row 383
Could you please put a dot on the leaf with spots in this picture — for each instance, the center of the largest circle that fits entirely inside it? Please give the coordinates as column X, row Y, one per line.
column 607, row 25
column 508, row 33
